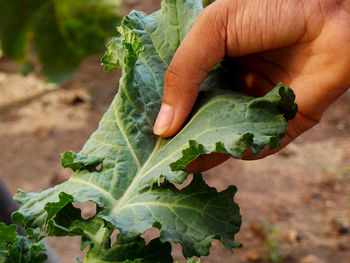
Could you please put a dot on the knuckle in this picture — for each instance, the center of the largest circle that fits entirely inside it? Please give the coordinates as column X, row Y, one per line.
column 171, row 78
column 215, row 17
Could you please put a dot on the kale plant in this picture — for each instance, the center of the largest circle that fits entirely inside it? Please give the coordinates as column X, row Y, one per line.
column 131, row 174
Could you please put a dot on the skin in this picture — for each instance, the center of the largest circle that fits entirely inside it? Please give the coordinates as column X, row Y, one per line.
column 303, row 44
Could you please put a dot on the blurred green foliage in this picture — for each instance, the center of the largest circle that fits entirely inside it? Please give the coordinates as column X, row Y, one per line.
column 272, row 248
column 58, row 33
column 19, row 249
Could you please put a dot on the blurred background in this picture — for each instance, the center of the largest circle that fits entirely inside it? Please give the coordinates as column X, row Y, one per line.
column 53, row 92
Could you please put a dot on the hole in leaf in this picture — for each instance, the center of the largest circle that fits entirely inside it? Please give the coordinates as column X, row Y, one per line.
column 114, row 235
column 185, row 183
column 151, row 234
column 95, row 167
column 176, row 252
column 99, row 167
column 88, row 209
column 162, row 180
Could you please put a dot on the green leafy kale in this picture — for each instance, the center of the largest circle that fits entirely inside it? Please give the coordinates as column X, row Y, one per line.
column 15, row 248
column 131, row 174
column 61, row 33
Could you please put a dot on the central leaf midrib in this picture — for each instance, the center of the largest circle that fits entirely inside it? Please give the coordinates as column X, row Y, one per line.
column 134, row 184
column 157, row 149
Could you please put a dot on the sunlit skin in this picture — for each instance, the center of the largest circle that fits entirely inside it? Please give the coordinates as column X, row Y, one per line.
column 304, row 44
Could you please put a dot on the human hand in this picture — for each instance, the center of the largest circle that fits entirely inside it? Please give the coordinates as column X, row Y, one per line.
column 303, row 44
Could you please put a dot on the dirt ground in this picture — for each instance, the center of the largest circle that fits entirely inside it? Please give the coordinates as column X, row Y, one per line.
column 295, row 204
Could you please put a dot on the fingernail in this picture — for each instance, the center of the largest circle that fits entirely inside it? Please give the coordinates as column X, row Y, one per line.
column 164, row 119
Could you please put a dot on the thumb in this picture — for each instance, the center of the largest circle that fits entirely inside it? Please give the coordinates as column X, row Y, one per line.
column 200, row 51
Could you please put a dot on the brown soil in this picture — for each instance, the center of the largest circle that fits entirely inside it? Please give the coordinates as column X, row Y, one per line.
column 303, row 191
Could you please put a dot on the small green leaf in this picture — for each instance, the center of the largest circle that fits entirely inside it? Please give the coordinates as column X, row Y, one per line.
column 26, row 251
column 8, row 233
column 134, row 250
column 7, row 236
column 14, row 248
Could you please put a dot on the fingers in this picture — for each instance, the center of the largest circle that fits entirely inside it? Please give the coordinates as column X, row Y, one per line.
column 243, row 27
column 201, row 50
column 230, row 27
